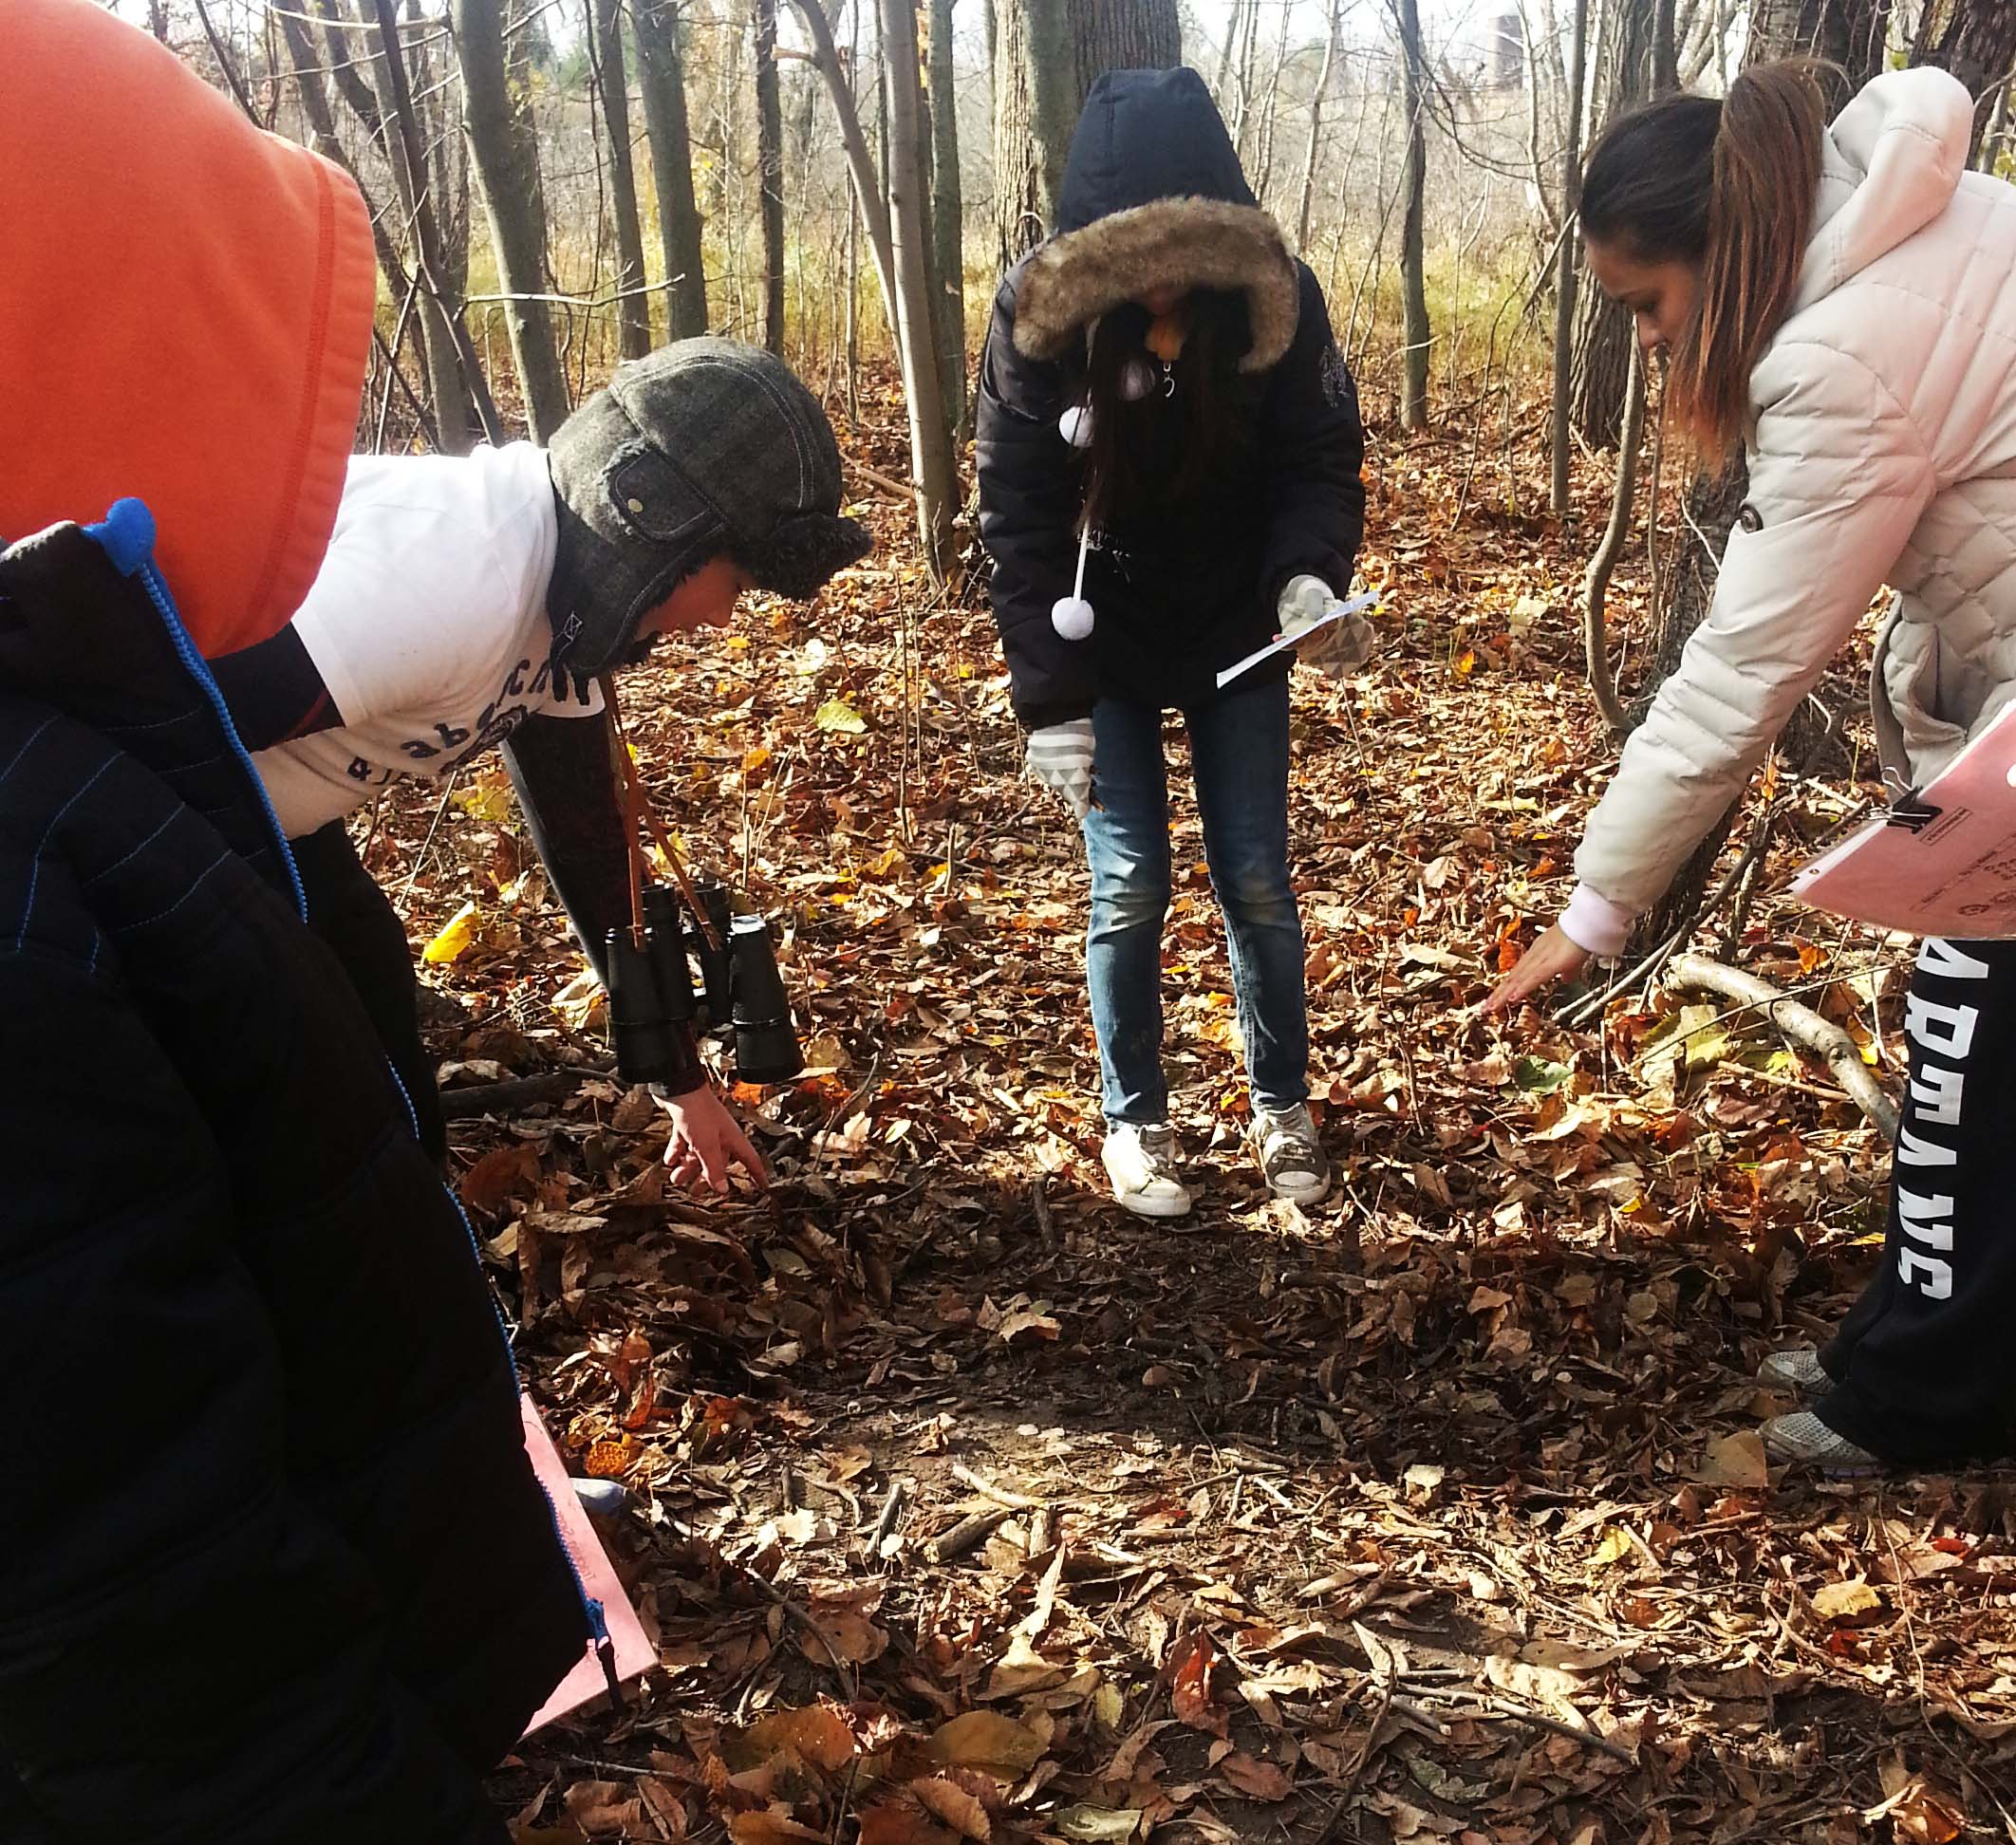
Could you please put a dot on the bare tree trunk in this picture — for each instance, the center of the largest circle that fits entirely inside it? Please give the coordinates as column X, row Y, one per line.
column 948, row 251
column 1315, row 124
column 1047, row 54
column 1263, row 179
column 861, row 163
column 633, row 310
column 462, row 409
column 506, row 149
column 1034, row 110
column 769, row 173
column 1665, row 50
column 662, row 80
column 1414, row 279
column 1565, row 281
column 935, row 476
column 1976, row 41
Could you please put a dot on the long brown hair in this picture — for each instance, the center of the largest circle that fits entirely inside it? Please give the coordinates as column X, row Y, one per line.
column 1156, row 450
column 1730, row 186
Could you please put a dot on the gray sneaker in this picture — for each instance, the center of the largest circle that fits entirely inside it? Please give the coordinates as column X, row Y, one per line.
column 1291, row 1158
column 1798, row 1368
column 1804, row 1441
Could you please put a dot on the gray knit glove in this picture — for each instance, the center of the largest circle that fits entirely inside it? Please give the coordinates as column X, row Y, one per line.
column 1060, row 757
column 1335, row 650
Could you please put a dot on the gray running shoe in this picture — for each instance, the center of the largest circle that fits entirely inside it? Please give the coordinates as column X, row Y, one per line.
column 1798, row 1368
column 1291, row 1159
column 1804, row 1441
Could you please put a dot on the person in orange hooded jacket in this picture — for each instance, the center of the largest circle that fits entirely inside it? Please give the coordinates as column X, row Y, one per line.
column 274, row 1568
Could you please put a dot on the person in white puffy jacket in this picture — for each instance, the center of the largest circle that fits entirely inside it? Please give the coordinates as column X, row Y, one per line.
column 1842, row 300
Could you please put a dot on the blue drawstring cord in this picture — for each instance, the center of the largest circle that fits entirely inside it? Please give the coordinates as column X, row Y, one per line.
column 126, row 536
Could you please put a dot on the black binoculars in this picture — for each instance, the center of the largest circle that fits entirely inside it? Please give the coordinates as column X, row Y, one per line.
column 652, row 993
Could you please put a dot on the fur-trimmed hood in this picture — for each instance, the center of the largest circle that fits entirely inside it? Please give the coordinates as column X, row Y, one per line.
column 1154, row 196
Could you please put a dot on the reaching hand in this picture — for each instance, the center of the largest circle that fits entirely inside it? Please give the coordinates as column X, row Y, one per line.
column 706, row 1141
column 1555, row 954
column 1060, row 757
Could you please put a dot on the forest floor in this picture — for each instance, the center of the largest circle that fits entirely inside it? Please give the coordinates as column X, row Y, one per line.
column 1438, row 1512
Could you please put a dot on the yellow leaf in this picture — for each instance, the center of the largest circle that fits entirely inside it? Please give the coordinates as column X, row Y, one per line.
column 837, row 715
column 487, row 801
column 1846, row 1604
column 1614, row 1547
column 1469, row 660
column 455, row 935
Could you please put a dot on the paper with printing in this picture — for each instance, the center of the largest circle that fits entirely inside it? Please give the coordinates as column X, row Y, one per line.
column 1943, row 862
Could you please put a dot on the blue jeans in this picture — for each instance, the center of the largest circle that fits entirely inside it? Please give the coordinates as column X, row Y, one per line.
column 1238, row 760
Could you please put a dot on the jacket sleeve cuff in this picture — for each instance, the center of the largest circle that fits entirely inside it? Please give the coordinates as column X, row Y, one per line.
column 1596, row 924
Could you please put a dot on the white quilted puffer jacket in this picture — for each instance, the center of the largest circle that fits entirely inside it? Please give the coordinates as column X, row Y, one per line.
column 1883, row 451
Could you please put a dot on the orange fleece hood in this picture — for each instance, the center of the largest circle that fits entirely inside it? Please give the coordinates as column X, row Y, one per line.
column 185, row 317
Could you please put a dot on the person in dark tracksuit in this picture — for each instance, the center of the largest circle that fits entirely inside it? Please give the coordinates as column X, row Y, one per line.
column 1165, row 424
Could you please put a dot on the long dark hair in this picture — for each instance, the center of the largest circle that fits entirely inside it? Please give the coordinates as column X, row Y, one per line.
column 1155, row 450
column 1728, row 186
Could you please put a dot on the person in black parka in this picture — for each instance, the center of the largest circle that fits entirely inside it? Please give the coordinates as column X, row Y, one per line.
column 1168, row 452
column 274, row 1569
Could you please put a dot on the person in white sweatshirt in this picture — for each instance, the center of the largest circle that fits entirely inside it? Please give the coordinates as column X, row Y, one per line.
column 1841, row 299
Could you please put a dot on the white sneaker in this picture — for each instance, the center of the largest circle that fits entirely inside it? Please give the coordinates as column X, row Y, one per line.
column 1291, row 1158
column 1798, row 1368
column 1806, row 1442
column 1141, row 1163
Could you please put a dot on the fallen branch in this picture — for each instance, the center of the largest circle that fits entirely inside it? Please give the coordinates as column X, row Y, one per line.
column 1800, row 1026
column 965, row 1534
column 516, row 1092
column 999, row 1494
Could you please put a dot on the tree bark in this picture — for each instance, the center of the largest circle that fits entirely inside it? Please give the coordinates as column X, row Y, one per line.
column 1315, row 124
column 1414, row 279
column 633, row 308
column 949, row 246
column 462, row 409
column 506, row 150
column 1565, row 281
column 1047, row 53
column 453, row 401
column 933, row 472
column 861, row 163
column 661, row 82
column 1976, row 41
column 769, row 173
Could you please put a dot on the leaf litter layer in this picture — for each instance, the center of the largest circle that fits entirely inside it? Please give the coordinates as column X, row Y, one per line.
column 967, row 1506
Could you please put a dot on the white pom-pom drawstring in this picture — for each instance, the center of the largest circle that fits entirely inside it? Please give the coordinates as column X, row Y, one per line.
column 1072, row 615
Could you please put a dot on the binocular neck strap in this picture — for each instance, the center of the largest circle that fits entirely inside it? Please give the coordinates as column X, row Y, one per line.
column 639, row 812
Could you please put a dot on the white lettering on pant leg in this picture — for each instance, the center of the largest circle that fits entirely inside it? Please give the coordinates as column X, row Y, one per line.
column 1948, row 1030
column 1938, row 1283
column 1927, row 1217
column 1937, row 956
column 1936, row 1092
column 1914, row 1151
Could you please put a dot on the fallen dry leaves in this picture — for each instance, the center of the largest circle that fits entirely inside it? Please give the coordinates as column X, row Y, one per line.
column 967, row 1509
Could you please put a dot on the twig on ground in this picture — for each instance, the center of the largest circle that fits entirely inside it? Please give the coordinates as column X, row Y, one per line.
column 513, row 1092
column 999, row 1494
column 965, row 1534
column 1800, row 1026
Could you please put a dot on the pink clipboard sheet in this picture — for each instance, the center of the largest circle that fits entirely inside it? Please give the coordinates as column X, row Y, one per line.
column 634, row 1653
column 1940, row 864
